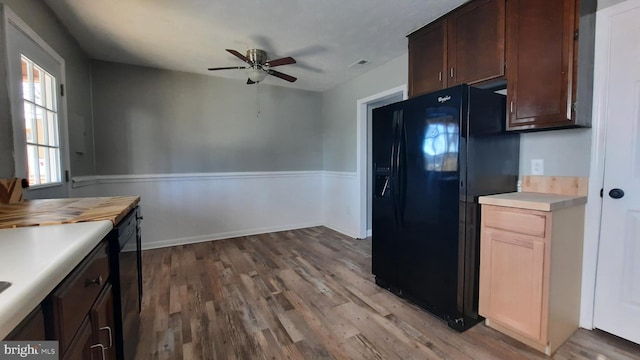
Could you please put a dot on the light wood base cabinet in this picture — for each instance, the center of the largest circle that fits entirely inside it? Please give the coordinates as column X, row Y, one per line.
column 530, row 273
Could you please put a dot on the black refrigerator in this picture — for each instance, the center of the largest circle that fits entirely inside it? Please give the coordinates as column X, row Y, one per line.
column 433, row 155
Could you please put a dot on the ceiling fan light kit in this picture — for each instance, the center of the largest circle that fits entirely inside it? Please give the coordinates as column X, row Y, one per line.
column 256, row 74
column 259, row 65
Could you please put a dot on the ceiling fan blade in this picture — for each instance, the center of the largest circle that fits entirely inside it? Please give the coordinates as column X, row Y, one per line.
column 227, row 68
column 282, row 61
column 282, row 76
column 239, row 56
column 249, row 82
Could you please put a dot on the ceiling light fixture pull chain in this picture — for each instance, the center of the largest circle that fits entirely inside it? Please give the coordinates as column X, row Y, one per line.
column 258, row 100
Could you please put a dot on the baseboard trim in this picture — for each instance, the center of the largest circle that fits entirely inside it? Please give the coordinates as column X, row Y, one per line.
column 341, row 230
column 219, row 236
column 341, row 174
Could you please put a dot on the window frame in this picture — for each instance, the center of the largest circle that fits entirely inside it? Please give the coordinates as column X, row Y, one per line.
column 10, row 18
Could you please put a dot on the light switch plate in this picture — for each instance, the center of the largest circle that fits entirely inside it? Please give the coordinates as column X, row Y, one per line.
column 537, row 167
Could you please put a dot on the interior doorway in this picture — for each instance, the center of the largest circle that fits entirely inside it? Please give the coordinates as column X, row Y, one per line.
column 365, row 109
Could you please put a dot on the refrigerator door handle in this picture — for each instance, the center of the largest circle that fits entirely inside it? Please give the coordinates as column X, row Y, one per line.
column 394, row 167
column 402, row 167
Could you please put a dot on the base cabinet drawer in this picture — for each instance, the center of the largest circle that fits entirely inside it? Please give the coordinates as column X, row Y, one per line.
column 71, row 301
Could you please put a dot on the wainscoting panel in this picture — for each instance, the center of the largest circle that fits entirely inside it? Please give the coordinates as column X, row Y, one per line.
column 341, row 201
column 190, row 208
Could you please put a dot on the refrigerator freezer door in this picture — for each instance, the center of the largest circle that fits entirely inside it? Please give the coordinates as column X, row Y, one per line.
column 387, row 237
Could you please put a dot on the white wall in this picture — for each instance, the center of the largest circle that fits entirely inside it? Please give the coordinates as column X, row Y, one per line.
column 339, row 156
column 339, row 111
column 188, row 208
column 565, row 152
column 341, row 202
column 211, row 158
column 151, row 121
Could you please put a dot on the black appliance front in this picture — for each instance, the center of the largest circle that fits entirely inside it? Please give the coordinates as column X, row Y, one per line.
column 425, row 213
column 127, row 283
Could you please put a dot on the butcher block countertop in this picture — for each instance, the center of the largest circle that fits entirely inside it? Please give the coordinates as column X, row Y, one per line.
column 533, row 201
column 66, row 211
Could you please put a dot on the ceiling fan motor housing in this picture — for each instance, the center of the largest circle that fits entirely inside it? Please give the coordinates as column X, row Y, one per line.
column 257, row 56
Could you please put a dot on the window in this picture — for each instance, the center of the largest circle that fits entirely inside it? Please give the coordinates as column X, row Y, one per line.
column 41, row 124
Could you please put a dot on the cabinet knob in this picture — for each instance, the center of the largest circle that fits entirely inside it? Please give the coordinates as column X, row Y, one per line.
column 451, row 72
column 97, row 281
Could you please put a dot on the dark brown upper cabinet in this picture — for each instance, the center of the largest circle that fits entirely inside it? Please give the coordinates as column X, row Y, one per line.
column 476, row 42
column 541, row 63
column 427, row 59
column 465, row 46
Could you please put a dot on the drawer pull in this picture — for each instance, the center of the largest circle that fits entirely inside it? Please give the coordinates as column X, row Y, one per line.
column 110, row 336
column 96, row 281
column 101, row 348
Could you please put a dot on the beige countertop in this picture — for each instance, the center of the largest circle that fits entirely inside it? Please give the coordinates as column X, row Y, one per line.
column 36, row 259
column 533, row 201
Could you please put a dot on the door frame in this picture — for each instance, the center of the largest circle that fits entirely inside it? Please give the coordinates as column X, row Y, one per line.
column 10, row 17
column 593, row 210
column 361, row 150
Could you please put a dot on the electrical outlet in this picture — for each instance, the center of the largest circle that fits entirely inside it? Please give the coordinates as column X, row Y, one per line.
column 537, row 167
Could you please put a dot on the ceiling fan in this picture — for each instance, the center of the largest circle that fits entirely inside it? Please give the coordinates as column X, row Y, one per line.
column 259, row 67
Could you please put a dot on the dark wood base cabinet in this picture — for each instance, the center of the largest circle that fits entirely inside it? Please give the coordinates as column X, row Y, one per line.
column 94, row 313
column 79, row 311
column 31, row 328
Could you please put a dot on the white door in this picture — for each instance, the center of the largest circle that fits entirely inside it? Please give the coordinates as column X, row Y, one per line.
column 35, row 78
column 617, row 305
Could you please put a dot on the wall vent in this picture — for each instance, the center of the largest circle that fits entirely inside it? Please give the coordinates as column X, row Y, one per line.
column 359, row 63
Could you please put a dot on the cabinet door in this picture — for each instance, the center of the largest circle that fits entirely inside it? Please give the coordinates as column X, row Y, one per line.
column 80, row 345
column 476, row 42
column 102, row 322
column 31, row 328
column 427, row 59
column 540, row 63
column 512, row 281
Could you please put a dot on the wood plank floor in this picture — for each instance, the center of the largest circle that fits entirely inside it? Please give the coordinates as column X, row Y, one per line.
column 307, row 294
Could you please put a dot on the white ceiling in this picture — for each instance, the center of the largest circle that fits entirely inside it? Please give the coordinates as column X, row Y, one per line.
column 324, row 36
